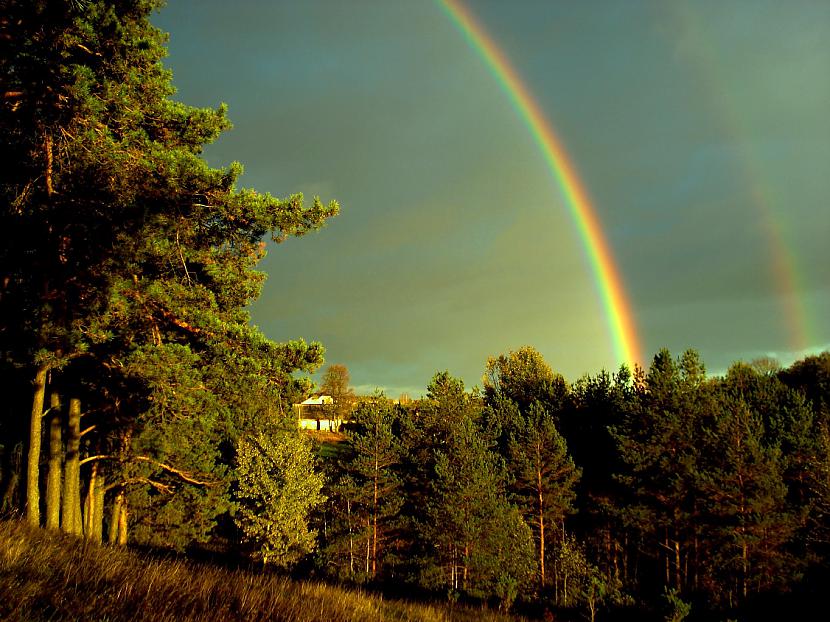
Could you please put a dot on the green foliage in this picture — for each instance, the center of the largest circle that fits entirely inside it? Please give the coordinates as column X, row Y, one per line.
column 540, row 464
column 474, row 539
column 675, row 608
column 128, row 262
column 658, row 442
column 523, row 377
column 544, row 475
column 336, row 384
column 365, row 495
column 811, row 377
column 277, row 491
column 746, row 516
column 579, row 582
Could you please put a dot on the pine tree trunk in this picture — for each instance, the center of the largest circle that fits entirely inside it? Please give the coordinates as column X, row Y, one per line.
column 53, row 475
column 71, row 518
column 744, row 568
column 541, row 527
column 89, row 502
column 122, row 524
column 368, row 543
column 678, row 569
column 455, row 567
column 466, row 562
column 14, row 467
column 351, row 538
column 115, row 516
column 33, row 462
column 375, row 523
column 32, row 465
column 98, row 511
column 625, row 560
column 47, row 147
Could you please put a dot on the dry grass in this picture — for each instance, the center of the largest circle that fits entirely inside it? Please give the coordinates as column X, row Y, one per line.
column 326, row 436
column 44, row 576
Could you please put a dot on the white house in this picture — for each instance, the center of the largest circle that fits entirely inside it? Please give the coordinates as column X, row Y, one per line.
column 317, row 413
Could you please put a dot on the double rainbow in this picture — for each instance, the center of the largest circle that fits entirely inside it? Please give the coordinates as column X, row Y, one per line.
column 618, row 312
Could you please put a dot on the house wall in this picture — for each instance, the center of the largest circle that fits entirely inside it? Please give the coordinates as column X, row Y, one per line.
column 329, row 425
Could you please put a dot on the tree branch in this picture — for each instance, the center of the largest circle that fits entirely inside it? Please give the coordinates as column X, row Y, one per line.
column 185, row 475
column 92, row 458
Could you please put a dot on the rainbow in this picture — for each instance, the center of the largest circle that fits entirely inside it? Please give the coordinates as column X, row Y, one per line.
column 618, row 312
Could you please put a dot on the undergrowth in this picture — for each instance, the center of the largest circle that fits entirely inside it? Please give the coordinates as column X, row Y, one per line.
column 48, row 576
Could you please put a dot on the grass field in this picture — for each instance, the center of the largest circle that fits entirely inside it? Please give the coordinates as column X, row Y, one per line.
column 46, row 576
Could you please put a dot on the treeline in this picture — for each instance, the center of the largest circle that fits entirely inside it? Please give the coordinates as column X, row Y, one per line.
column 660, row 490
column 128, row 366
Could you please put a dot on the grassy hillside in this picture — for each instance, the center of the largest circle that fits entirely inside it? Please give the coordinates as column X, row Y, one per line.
column 44, row 576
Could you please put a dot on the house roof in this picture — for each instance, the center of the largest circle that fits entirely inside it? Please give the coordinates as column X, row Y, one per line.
column 318, row 401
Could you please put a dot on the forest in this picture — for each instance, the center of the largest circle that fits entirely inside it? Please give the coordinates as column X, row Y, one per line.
column 142, row 408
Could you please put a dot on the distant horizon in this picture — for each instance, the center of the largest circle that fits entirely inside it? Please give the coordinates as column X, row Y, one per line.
column 783, row 359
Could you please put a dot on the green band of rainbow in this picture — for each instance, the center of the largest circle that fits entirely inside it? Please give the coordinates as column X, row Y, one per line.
column 609, row 283
column 706, row 67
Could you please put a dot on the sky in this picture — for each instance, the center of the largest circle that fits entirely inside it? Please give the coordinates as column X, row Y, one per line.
column 699, row 130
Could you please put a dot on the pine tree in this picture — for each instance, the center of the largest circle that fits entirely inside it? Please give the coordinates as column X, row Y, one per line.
column 123, row 252
column 601, row 403
column 376, row 453
column 476, row 541
column 659, row 446
column 748, row 522
column 544, row 477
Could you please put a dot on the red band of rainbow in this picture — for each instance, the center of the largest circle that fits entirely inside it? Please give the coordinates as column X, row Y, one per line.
column 618, row 312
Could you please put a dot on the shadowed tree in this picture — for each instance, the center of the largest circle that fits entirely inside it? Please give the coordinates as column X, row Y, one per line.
column 748, row 522
column 659, row 443
column 544, row 477
column 376, row 453
column 122, row 251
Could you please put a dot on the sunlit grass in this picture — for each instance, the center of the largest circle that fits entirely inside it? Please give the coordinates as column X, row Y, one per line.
column 45, row 576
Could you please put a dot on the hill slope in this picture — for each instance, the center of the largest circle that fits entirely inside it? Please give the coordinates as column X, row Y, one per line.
column 45, row 576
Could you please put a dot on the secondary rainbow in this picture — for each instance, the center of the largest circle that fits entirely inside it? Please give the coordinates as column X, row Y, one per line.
column 717, row 92
column 620, row 319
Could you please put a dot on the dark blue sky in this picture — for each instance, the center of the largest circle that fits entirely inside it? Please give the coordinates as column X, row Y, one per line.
column 701, row 130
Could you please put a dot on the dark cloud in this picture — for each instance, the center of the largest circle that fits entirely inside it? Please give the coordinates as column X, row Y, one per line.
column 697, row 128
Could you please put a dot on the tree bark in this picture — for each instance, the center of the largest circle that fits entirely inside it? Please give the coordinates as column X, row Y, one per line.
column 375, row 522
column 368, row 543
column 47, row 146
column 678, row 578
column 466, row 563
column 32, row 465
column 115, row 516
column 351, row 537
column 14, row 466
column 98, row 511
column 541, row 527
column 89, row 502
column 71, row 518
column 122, row 523
column 54, row 475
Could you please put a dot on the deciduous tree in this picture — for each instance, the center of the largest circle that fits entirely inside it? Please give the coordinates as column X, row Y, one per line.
column 278, row 489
